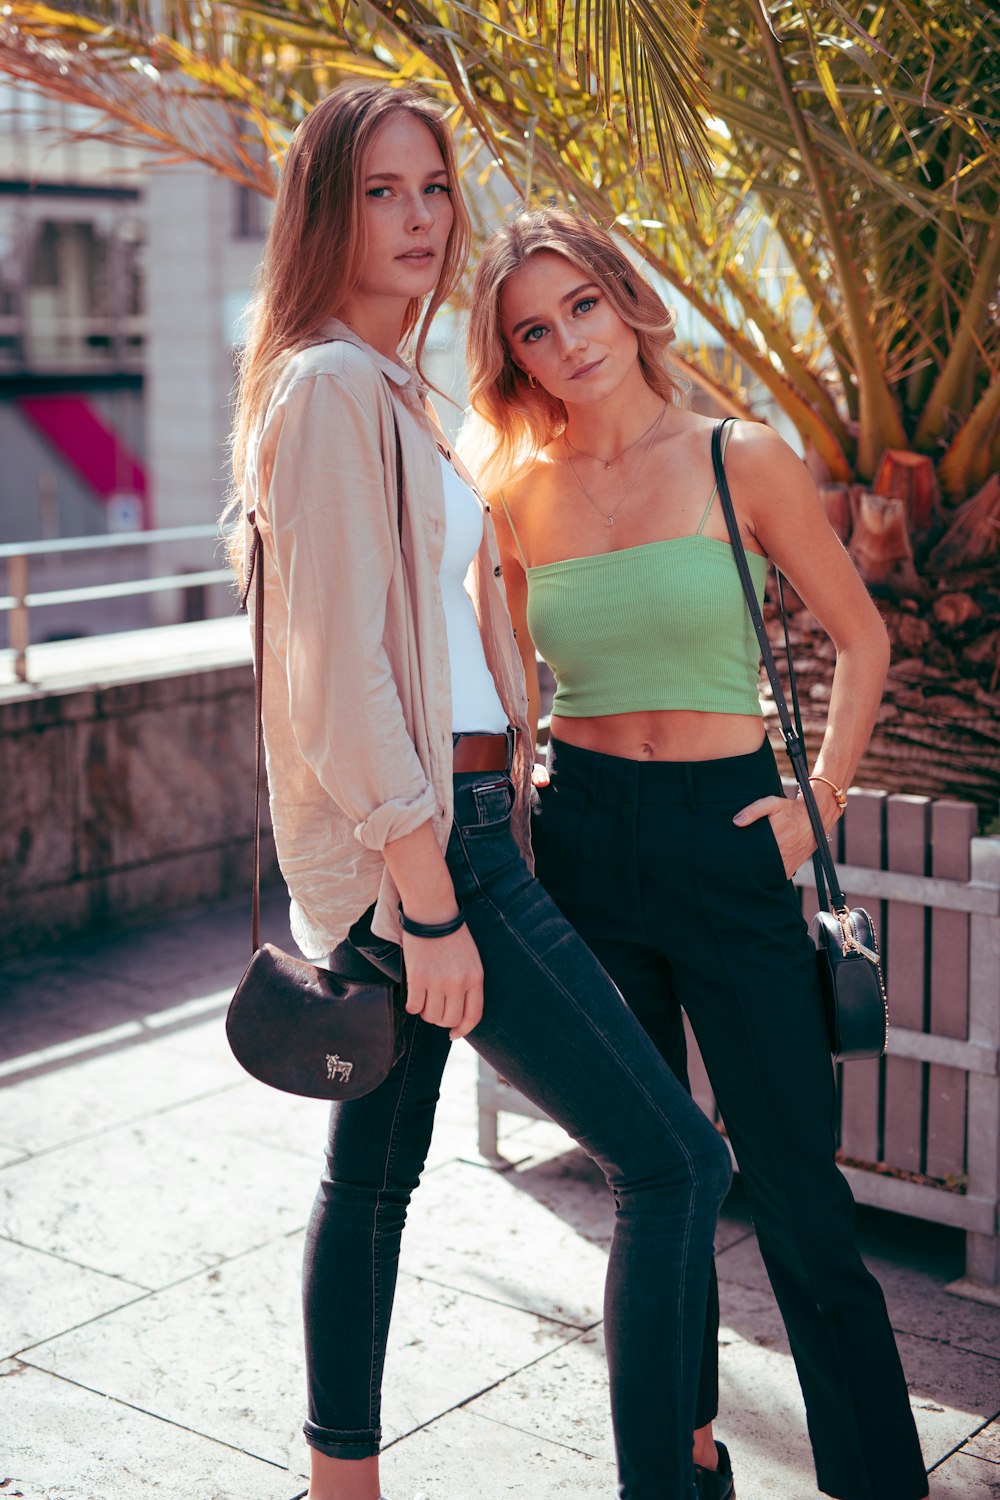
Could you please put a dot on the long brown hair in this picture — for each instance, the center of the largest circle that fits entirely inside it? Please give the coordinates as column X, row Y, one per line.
column 315, row 250
column 512, row 420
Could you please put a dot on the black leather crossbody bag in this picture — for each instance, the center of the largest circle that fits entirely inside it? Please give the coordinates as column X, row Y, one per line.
column 847, row 956
column 323, row 1033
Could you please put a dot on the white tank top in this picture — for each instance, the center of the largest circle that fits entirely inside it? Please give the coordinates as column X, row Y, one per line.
column 475, row 703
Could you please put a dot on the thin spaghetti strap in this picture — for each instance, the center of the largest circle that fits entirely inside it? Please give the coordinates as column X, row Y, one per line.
column 726, row 430
column 513, row 532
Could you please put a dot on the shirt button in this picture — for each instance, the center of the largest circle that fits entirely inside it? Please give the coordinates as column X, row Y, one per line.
column 497, row 571
column 486, row 509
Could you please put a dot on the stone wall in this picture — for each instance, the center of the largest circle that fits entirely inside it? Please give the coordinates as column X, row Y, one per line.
column 124, row 801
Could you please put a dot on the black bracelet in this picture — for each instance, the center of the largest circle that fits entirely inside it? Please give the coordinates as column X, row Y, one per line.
column 431, row 929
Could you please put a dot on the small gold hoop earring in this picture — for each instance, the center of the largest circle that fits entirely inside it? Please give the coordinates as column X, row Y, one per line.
column 532, row 381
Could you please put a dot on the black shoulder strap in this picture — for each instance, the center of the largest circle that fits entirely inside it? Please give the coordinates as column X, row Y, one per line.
column 823, row 865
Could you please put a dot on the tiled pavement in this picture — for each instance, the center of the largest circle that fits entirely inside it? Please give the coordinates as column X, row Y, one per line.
column 152, row 1202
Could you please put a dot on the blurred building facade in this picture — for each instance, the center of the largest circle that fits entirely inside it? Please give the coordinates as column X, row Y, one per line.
column 72, row 325
column 121, row 285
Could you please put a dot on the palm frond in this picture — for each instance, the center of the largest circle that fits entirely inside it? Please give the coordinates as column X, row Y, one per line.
column 851, row 158
column 146, row 99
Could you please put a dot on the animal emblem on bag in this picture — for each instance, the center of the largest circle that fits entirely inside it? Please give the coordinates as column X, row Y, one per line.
column 338, row 1067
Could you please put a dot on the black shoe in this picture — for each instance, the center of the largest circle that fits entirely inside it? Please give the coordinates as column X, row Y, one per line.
column 716, row 1484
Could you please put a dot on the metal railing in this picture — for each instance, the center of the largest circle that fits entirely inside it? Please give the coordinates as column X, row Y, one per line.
column 20, row 600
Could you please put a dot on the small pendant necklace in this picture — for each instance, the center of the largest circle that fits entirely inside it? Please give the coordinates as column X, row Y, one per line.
column 609, row 515
column 609, row 462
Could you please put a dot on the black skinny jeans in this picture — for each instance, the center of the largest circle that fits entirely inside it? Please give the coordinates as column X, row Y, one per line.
column 684, row 909
column 556, row 1027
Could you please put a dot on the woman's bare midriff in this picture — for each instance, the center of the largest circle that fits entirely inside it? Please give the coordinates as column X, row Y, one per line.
column 663, row 734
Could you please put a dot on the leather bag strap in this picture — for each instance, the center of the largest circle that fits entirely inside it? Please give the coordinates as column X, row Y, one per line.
column 825, row 870
column 255, row 570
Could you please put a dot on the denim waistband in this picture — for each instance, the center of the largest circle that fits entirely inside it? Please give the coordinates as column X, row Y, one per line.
column 614, row 778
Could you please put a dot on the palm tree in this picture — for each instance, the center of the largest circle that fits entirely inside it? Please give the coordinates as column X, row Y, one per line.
column 821, row 182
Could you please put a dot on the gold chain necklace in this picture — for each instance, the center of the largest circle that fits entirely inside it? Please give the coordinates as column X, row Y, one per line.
column 609, row 515
column 607, row 462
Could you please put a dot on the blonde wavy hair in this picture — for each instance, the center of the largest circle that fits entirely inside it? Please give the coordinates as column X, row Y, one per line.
column 512, row 422
column 315, row 252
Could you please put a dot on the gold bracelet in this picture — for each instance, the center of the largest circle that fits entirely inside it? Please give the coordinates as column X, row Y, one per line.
column 839, row 795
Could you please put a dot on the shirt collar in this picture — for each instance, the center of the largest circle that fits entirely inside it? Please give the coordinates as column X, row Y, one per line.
column 395, row 370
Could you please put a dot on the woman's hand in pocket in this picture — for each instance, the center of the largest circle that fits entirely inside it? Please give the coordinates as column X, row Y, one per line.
column 790, row 825
column 539, row 774
column 444, row 981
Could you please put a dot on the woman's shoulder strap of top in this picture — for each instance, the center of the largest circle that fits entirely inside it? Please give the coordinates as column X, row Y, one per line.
column 727, row 428
column 513, row 528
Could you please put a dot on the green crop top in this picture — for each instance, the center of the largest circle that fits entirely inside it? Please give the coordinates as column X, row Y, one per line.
column 658, row 626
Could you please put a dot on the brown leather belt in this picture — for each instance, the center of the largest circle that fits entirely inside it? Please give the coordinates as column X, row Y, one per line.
column 482, row 752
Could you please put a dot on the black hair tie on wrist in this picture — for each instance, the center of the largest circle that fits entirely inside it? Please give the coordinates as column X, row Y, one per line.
column 431, row 929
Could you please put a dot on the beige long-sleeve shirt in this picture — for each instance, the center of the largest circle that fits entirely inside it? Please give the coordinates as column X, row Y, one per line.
column 357, row 686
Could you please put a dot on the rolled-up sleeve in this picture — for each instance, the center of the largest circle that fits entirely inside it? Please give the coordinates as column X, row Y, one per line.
column 330, row 529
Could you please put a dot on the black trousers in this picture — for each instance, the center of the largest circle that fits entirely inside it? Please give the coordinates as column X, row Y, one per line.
column 686, row 910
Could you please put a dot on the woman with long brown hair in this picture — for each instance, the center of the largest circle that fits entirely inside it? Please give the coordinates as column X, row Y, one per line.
column 394, row 719
column 661, row 830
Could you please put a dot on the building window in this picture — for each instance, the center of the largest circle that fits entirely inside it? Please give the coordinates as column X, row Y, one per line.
column 10, row 287
column 251, row 214
column 83, row 293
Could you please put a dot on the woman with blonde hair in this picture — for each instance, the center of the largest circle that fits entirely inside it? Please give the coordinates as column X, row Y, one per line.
column 394, row 718
column 661, row 829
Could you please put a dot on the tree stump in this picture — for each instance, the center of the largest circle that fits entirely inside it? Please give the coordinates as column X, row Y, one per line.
column 880, row 545
column 908, row 477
